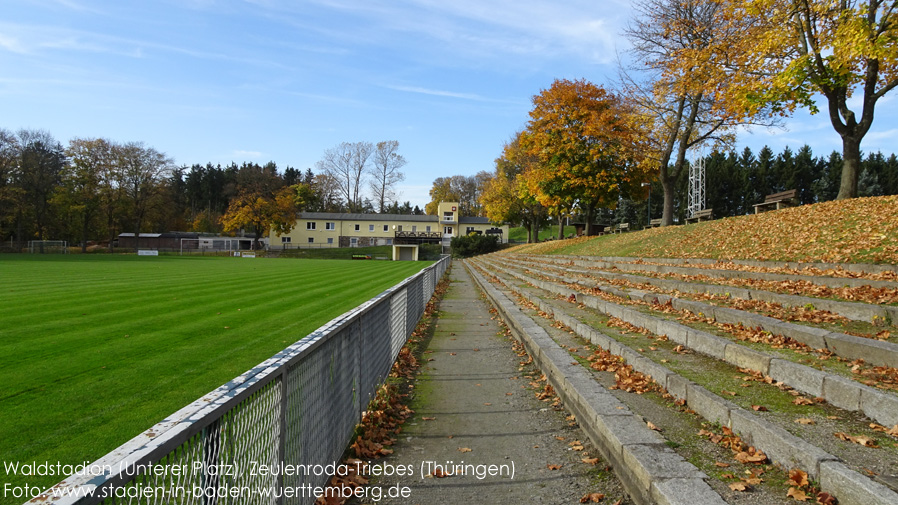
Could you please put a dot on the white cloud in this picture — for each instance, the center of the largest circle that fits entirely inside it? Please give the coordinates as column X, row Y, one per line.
column 12, row 44
column 436, row 92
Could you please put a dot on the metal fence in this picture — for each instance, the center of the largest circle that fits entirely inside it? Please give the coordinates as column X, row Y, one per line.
column 267, row 436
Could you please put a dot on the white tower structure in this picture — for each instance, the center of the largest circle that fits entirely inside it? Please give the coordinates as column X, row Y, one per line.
column 696, row 187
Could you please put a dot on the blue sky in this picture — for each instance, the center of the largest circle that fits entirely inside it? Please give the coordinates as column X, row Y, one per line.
column 281, row 80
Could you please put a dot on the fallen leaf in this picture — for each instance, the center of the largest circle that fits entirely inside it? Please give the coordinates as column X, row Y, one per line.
column 593, row 497
column 731, row 393
column 652, row 426
column 590, row 461
column 464, row 449
column 439, row 473
column 798, row 478
column 559, row 438
column 759, row 408
column 428, row 418
column 826, row 499
column 554, row 467
column 804, row 420
column 738, row 486
column 797, row 494
column 721, row 465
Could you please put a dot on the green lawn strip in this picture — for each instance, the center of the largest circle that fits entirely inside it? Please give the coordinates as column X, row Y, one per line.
column 519, row 233
column 77, row 386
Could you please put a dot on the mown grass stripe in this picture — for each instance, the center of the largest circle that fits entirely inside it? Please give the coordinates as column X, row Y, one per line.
column 74, row 387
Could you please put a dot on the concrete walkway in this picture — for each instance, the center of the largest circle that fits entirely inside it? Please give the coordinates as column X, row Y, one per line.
column 475, row 408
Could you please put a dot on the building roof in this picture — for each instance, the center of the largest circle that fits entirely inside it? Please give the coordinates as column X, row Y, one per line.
column 346, row 216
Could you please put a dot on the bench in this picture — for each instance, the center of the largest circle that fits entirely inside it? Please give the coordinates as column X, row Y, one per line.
column 778, row 201
column 654, row 223
column 622, row 228
column 702, row 215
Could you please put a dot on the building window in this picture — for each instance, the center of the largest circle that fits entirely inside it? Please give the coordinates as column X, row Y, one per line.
column 353, row 241
column 310, row 225
column 427, row 229
column 311, row 240
column 447, row 230
column 389, row 241
column 386, row 227
column 469, row 230
column 399, row 228
column 414, row 228
column 330, row 226
column 285, row 240
column 448, row 216
column 370, row 227
column 358, row 227
column 330, row 240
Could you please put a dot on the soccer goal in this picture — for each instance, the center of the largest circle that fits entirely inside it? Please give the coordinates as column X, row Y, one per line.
column 48, row 247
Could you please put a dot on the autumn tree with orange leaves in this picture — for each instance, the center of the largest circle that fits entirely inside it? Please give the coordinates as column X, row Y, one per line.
column 262, row 211
column 507, row 196
column 587, row 143
column 683, row 114
column 787, row 53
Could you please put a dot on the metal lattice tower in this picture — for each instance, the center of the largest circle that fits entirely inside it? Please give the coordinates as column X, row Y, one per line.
column 696, row 187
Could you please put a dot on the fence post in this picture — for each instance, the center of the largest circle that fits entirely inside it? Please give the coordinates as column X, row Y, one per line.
column 211, row 451
column 282, row 438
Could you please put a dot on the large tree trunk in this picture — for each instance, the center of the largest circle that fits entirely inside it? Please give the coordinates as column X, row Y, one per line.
column 667, row 185
column 851, row 156
column 590, row 215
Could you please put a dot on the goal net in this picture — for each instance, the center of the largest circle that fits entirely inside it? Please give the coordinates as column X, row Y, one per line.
column 48, row 247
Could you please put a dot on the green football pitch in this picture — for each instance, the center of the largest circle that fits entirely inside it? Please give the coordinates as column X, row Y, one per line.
column 96, row 349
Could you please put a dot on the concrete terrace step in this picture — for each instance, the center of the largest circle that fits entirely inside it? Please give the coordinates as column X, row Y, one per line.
column 651, row 471
column 833, row 282
column 790, row 451
column 857, row 311
column 837, row 390
column 872, row 351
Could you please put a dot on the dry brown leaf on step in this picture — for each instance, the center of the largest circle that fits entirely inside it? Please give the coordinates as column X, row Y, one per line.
column 428, row 418
column 592, row 497
column 804, row 420
column 652, row 426
column 826, row 499
column 464, row 449
column 721, row 465
column 590, row 461
column 739, row 486
column 798, row 478
column 797, row 494
column 759, row 408
column 554, row 467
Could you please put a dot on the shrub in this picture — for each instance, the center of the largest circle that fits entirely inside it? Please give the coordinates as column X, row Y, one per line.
column 473, row 244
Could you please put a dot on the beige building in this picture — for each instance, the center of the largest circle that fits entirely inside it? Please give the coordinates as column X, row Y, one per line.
column 325, row 229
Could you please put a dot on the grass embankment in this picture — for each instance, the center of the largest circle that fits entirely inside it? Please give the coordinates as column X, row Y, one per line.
column 96, row 349
column 861, row 230
column 519, row 234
